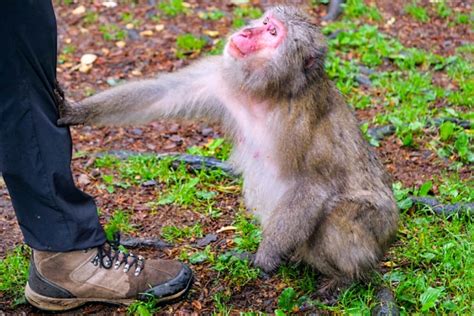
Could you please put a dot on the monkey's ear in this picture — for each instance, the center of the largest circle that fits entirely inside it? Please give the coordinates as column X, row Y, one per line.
column 316, row 59
column 309, row 63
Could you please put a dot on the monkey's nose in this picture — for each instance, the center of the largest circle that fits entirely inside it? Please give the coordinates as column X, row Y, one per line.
column 246, row 33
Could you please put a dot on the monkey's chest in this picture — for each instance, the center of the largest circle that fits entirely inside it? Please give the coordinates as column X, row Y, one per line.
column 263, row 187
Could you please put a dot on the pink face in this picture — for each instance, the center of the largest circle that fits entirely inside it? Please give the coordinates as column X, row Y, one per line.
column 267, row 34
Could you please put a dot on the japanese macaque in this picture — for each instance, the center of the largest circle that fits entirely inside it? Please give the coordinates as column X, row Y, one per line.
column 321, row 194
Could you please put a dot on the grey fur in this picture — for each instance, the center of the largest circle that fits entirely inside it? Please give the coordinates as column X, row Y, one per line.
column 322, row 195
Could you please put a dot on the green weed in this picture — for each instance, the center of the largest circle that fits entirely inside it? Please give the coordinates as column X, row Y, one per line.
column 173, row 233
column 14, row 273
column 236, row 271
column 248, row 234
column 213, row 15
column 289, row 302
column 442, row 9
column 112, row 32
column 144, row 308
column 172, row 8
column 188, row 44
column 118, row 222
column 217, row 148
column 357, row 8
column 220, row 304
column 241, row 14
column 417, row 12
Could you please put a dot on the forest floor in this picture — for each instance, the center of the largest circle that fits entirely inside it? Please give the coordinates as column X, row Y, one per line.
column 399, row 63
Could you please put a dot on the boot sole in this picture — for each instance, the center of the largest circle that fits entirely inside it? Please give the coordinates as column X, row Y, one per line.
column 62, row 304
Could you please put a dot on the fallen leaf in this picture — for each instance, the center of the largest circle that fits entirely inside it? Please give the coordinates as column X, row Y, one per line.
column 136, row 73
column 197, row 305
column 109, row 4
column 83, row 179
column 226, row 228
column 79, row 10
column 88, row 59
column 120, row 44
column 85, row 68
column 211, row 33
column 146, row 33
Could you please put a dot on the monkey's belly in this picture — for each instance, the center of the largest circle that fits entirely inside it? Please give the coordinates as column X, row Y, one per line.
column 262, row 192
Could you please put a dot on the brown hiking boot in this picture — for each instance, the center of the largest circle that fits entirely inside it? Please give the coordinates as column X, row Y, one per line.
column 65, row 280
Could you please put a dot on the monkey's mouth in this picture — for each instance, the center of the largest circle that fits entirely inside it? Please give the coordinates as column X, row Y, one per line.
column 235, row 50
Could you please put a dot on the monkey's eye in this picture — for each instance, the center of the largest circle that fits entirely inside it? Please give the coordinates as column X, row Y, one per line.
column 273, row 31
column 265, row 22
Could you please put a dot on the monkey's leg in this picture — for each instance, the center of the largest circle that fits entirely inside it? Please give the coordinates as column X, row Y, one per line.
column 350, row 241
column 291, row 224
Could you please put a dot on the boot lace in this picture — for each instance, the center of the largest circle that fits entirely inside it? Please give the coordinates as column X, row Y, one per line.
column 112, row 254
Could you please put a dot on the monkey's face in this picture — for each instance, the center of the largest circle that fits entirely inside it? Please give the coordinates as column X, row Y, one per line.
column 278, row 55
column 261, row 38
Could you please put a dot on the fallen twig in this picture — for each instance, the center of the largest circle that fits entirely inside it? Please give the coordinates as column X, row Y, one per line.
column 132, row 242
column 334, row 10
column 192, row 161
column 386, row 305
column 444, row 209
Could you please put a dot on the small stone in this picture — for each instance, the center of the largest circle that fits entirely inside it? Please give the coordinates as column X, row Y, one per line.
column 177, row 139
column 209, row 238
column 133, row 35
column 137, row 131
column 149, row 183
column 169, row 146
column 95, row 173
column 151, row 147
column 206, row 131
column 174, row 128
column 364, row 80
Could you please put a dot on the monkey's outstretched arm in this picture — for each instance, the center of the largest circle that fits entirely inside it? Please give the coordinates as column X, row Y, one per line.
column 291, row 224
column 192, row 92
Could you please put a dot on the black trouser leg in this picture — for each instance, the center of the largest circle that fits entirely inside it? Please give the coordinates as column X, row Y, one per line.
column 35, row 154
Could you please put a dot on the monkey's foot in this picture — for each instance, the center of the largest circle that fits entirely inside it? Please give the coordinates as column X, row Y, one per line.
column 267, row 262
column 330, row 290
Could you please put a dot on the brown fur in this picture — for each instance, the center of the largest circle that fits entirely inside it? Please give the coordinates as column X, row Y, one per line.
column 319, row 190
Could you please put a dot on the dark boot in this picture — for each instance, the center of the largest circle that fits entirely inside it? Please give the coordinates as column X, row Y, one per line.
column 65, row 280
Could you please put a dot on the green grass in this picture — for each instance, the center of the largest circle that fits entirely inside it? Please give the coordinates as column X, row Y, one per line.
column 118, row 222
column 213, row 15
column 172, row 233
column 430, row 267
column 433, row 264
column 244, row 13
column 188, row 44
column 417, row 12
column 172, row 8
column 14, row 274
column 235, row 271
column 112, row 32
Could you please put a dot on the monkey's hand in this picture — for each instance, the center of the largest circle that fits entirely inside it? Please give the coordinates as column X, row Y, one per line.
column 267, row 258
column 74, row 114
